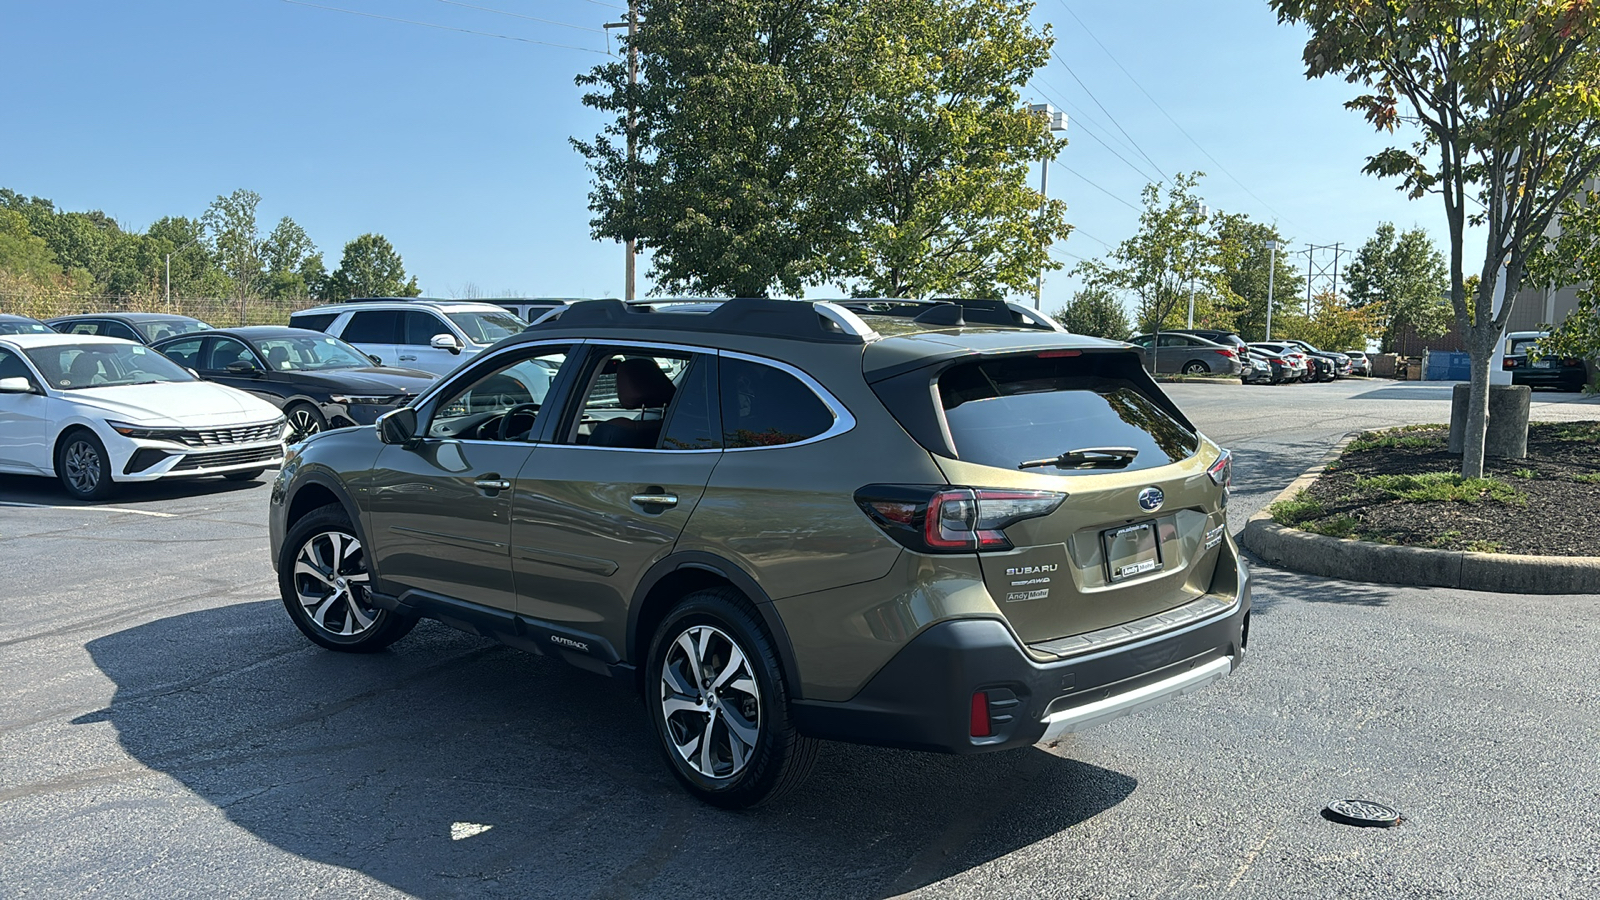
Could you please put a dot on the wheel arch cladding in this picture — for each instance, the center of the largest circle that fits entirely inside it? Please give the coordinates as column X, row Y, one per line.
column 676, row 577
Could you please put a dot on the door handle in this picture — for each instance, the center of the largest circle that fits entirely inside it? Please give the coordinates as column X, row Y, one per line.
column 656, row 499
column 491, row 483
column 408, row 359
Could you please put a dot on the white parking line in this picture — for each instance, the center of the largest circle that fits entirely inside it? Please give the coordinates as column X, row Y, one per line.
column 123, row 509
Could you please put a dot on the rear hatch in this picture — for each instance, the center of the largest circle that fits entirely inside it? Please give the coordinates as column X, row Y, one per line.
column 1140, row 511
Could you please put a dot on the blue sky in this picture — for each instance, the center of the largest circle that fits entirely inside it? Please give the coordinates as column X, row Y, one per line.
column 455, row 145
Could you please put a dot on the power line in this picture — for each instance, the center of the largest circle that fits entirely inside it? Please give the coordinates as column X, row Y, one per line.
column 1163, row 110
column 1096, row 186
column 504, row 37
column 515, row 15
column 609, row 5
column 1080, row 232
column 1054, row 252
column 1099, row 140
column 1108, row 114
column 1079, row 114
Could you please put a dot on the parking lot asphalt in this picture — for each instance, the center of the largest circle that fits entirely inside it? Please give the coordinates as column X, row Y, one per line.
column 165, row 732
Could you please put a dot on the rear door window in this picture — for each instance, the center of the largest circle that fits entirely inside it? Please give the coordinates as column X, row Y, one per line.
column 313, row 321
column 764, row 406
column 374, row 326
column 1007, row 412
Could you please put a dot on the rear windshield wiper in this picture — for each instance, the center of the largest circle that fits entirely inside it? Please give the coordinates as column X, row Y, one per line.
column 1086, row 458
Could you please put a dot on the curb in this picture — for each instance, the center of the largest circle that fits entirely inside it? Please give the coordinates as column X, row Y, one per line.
column 1351, row 560
column 1196, row 379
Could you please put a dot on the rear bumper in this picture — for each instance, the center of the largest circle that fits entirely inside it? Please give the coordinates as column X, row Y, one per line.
column 1561, row 376
column 922, row 699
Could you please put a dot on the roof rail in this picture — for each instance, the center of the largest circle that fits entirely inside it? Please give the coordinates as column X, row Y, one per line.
column 955, row 312
column 801, row 320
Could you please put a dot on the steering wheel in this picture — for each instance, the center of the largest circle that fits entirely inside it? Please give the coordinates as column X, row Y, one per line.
column 531, row 409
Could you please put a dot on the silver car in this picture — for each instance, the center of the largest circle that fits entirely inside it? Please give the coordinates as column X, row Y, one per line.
column 1173, row 352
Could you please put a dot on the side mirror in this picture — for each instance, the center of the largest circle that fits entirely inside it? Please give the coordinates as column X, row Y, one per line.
column 398, row 426
column 191, row 371
column 16, row 385
column 445, row 342
column 243, row 368
column 376, row 359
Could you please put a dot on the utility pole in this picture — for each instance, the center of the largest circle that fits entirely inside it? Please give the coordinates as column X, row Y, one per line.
column 628, row 246
column 1201, row 211
column 1336, row 271
column 1310, row 252
column 1272, row 269
column 1054, row 120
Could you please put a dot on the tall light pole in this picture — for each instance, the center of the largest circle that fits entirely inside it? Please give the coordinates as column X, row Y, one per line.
column 1055, row 120
column 1272, row 269
column 1200, row 210
column 629, row 245
column 195, row 240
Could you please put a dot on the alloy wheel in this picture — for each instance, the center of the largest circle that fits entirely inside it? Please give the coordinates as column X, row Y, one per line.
column 302, row 424
column 331, row 582
column 84, row 466
column 710, row 702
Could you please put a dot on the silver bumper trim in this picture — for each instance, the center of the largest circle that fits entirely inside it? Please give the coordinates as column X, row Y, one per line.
column 1081, row 718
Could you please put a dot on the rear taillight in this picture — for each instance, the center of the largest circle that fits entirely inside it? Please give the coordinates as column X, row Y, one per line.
column 1226, row 352
column 932, row 519
column 1221, row 473
column 1509, row 363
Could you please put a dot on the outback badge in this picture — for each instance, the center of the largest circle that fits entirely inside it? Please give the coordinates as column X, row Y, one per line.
column 1150, row 499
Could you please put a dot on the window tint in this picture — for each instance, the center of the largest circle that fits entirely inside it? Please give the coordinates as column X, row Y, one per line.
column 313, row 321
column 91, row 326
column 420, row 327
column 376, row 326
column 630, row 393
column 12, row 366
column 119, row 330
column 158, row 329
column 765, row 407
column 185, row 352
column 692, row 424
column 311, row 352
column 1141, row 342
column 104, row 365
column 486, row 328
column 1175, row 340
column 476, row 410
column 226, row 351
column 1006, row 412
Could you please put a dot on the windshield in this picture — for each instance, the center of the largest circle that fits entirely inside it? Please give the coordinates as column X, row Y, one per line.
column 71, row 367
column 309, row 354
column 1007, row 412
column 156, row 329
column 487, row 327
column 25, row 328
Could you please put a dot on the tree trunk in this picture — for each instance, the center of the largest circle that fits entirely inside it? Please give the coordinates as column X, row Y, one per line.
column 1477, row 406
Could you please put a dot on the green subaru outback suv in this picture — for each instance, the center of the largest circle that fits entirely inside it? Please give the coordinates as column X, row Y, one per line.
column 940, row 525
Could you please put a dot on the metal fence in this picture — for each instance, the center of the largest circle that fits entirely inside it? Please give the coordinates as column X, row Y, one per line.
column 219, row 311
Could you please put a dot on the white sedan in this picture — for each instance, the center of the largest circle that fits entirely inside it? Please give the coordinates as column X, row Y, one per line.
column 94, row 411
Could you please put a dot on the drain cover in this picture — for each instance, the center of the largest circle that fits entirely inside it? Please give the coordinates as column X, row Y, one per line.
column 1361, row 812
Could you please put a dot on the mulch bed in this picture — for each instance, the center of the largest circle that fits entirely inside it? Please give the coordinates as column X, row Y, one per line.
column 1547, row 504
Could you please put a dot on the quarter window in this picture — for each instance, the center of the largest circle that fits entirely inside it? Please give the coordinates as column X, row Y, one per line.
column 763, row 406
column 314, row 321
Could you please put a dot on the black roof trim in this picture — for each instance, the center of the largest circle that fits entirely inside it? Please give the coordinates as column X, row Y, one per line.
column 972, row 311
column 791, row 319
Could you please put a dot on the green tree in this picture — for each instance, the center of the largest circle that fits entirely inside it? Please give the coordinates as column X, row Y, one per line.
column 1156, row 265
column 231, row 221
column 1097, row 312
column 23, row 254
column 1401, row 279
column 1573, row 258
column 194, row 268
column 946, row 144
column 741, row 179
column 370, row 267
column 1333, row 325
column 294, row 267
column 1243, row 261
column 1506, row 94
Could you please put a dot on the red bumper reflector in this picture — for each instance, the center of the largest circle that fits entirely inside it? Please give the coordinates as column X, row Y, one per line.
column 980, row 715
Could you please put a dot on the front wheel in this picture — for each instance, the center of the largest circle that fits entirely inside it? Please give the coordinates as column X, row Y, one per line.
column 304, row 421
column 84, row 467
column 717, row 697
column 326, row 586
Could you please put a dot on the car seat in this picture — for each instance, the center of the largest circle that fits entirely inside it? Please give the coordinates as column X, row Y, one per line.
column 643, row 386
column 278, row 357
column 84, row 371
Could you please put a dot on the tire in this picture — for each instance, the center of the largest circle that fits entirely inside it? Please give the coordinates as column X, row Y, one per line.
column 318, row 574
column 251, row 475
column 304, row 421
column 1196, row 367
column 746, row 764
column 83, row 466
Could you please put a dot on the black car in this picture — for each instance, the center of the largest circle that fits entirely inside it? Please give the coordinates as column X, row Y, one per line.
column 145, row 328
column 1262, row 367
column 1566, row 373
column 319, row 381
column 11, row 323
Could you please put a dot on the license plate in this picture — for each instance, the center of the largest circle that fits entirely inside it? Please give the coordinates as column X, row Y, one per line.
column 1131, row 550
column 1544, row 364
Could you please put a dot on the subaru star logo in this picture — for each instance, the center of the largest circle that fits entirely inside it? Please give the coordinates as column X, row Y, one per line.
column 1150, row 498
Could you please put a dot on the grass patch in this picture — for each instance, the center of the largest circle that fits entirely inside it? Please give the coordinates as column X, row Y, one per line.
column 1446, row 538
column 1579, row 432
column 1338, row 526
column 1591, row 478
column 1523, row 473
column 1297, row 509
column 1407, row 437
column 1485, row 546
column 1441, row 487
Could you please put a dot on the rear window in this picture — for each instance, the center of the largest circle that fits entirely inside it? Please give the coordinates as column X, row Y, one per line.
column 1006, row 412
column 313, row 321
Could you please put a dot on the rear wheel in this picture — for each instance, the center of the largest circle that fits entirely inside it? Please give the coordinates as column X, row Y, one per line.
column 1196, row 367
column 326, row 586
column 716, row 694
column 83, row 466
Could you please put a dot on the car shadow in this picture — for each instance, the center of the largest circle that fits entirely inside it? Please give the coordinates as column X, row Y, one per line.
column 449, row 764
column 49, row 492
